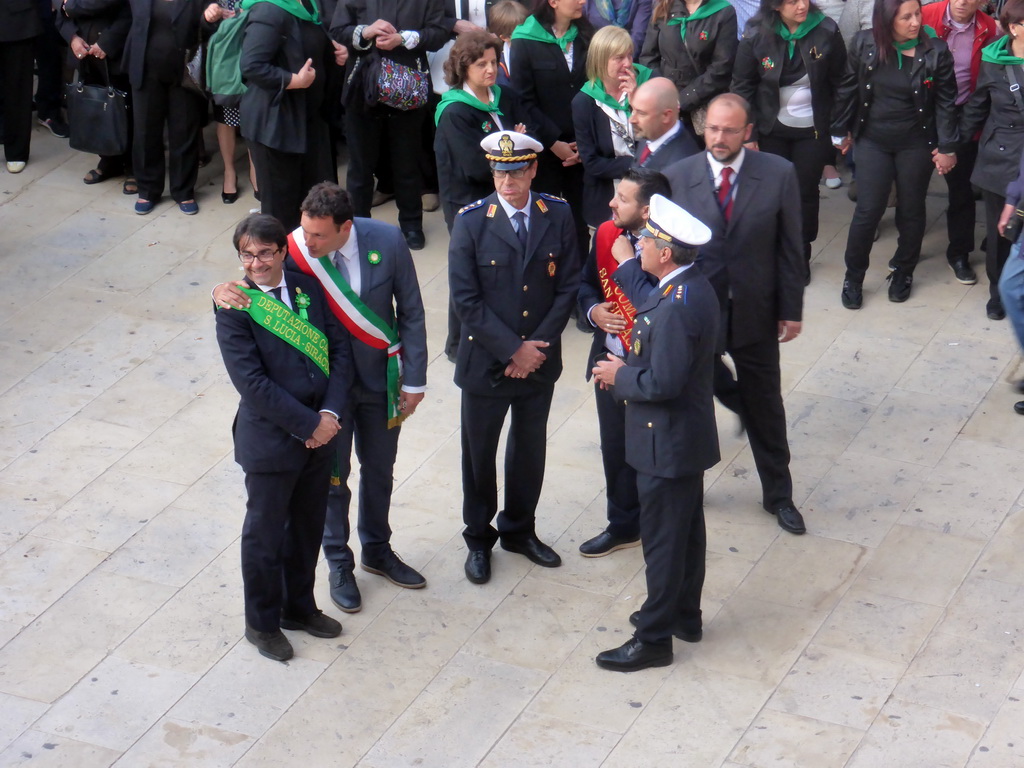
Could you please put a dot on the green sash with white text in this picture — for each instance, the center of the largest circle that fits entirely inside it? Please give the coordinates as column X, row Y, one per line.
column 275, row 316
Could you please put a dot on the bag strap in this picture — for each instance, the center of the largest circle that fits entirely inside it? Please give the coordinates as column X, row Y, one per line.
column 1015, row 86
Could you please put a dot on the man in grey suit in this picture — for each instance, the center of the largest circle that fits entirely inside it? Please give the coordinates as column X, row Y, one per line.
column 655, row 119
column 368, row 274
column 756, row 265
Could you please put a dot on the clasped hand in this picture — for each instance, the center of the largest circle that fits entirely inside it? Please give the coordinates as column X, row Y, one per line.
column 325, row 431
column 527, row 359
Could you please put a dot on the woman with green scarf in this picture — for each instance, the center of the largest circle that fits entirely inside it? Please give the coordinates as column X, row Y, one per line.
column 600, row 112
column 996, row 109
column 897, row 100
column 548, row 62
column 788, row 68
column 693, row 44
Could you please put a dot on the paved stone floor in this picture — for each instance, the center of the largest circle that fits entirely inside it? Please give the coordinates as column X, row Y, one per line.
column 889, row 635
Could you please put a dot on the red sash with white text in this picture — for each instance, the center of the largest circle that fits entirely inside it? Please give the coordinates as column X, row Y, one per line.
column 606, row 265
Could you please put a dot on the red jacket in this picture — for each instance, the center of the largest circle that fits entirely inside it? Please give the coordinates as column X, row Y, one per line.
column 985, row 31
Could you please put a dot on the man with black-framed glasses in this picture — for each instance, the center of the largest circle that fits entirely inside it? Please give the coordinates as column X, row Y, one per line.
column 291, row 362
column 513, row 275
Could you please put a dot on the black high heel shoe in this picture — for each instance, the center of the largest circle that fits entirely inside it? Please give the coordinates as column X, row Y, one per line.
column 228, row 197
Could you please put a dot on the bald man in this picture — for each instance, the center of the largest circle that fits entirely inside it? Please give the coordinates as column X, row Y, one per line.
column 662, row 139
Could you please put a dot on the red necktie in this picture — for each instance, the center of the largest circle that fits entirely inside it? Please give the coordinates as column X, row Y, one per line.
column 644, row 154
column 724, row 190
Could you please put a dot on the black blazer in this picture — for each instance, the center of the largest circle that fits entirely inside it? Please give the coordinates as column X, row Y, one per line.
column 668, row 379
column 282, row 389
column 19, row 20
column 547, row 86
column 597, row 153
column 679, row 146
column 104, row 22
column 272, row 50
column 463, row 173
column 502, row 298
column 700, row 68
column 755, row 262
column 450, row 16
column 934, row 90
column 994, row 111
column 187, row 26
column 824, row 57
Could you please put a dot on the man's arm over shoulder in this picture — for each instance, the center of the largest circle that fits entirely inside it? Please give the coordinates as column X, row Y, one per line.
column 237, row 341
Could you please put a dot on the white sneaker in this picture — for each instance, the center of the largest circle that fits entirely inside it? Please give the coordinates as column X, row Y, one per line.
column 835, row 183
column 15, row 166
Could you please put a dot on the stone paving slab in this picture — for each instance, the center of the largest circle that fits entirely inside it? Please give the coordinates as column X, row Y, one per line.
column 892, row 634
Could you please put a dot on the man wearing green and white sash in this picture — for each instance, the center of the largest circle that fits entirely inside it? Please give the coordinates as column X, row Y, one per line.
column 290, row 360
column 367, row 272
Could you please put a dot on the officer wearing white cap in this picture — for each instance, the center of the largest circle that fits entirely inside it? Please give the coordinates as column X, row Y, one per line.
column 671, row 437
column 513, row 275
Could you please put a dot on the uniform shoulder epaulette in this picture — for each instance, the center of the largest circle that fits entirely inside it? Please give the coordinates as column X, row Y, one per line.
column 470, row 207
column 553, row 198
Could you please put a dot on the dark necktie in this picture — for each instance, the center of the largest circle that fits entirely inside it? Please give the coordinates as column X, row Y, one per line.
column 724, row 193
column 276, row 292
column 645, row 153
column 521, row 231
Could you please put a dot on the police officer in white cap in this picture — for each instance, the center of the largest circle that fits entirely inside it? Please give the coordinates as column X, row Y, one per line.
column 513, row 275
column 671, row 437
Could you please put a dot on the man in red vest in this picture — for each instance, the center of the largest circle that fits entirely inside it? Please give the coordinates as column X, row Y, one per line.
column 606, row 307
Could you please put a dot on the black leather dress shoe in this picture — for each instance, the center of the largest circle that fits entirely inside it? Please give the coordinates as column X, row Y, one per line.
column 345, row 591
column 478, row 566
column 274, row 645
column 535, row 550
column 415, row 239
column 317, row 624
column 789, row 518
column 1018, row 407
column 686, row 637
column 605, row 543
column 391, row 567
column 634, row 655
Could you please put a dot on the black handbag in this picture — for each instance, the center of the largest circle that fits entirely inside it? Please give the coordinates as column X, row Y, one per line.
column 97, row 116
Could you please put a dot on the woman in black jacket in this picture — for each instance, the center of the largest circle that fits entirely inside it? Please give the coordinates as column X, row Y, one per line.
column 165, row 35
column 95, row 31
column 788, row 68
column 548, row 60
column 693, row 44
column 600, row 112
column 472, row 108
column 287, row 62
column 897, row 100
column 996, row 108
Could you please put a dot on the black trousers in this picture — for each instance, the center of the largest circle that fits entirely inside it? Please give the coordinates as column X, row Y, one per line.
column 284, row 522
column 382, row 129
column 675, row 544
column 366, row 423
column 997, row 248
column 50, row 49
column 482, row 420
column 16, row 82
column 620, row 479
column 961, row 213
column 157, row 104
column 809, row 157
column 756, row 395
column 285, row 178
column 877, row 167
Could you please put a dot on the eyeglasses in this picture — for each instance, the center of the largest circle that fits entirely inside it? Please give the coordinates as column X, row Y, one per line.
column 264, row 257
column 726, row 131
column 516, row 174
